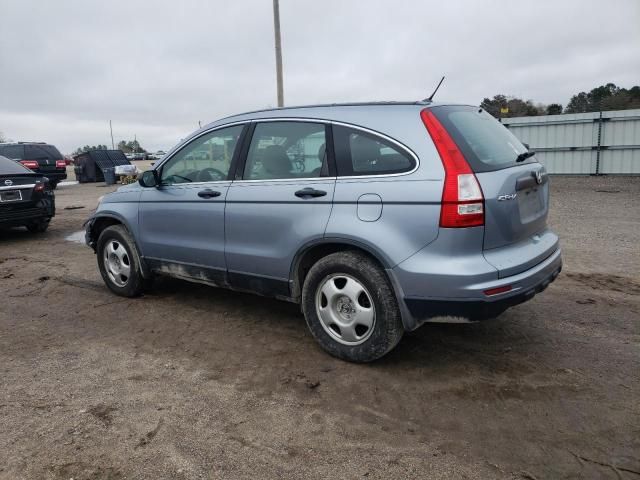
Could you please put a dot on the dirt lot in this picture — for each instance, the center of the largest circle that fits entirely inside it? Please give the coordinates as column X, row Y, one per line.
column 195, row 382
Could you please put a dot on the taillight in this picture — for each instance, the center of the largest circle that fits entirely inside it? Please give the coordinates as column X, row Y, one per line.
column 39, row 187
column 462, row 199
column 32, row 164
column 61, row 164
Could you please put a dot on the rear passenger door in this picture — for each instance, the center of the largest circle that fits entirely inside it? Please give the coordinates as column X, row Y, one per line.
column 280, row 200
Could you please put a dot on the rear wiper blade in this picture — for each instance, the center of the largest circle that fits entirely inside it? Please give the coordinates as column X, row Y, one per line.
column 523, row 156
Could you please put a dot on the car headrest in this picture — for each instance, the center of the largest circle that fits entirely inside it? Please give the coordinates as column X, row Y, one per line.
column 321, row 152
column 275, row 161
column 364, row 151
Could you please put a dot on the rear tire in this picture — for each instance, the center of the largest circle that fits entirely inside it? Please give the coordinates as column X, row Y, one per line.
column 351, row 308
column 119, row 262
column 39, row 227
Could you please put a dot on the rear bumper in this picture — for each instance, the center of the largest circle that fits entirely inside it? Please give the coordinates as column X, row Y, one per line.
column 20, row 216
column 56, row 176
column 478, row 305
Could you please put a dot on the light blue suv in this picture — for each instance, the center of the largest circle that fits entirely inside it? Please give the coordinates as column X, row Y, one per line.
column 374, row 217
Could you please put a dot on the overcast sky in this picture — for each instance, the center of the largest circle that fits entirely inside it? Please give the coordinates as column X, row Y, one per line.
column 156, row 68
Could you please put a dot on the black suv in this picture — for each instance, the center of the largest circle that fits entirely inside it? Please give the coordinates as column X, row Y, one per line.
column 39, row 157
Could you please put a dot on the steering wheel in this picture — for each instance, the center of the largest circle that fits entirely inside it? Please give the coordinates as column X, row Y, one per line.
column 211, row 174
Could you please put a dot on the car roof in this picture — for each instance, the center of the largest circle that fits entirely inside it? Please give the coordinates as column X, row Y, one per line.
column 24, row 143
column 326, row 111
column 395, row 119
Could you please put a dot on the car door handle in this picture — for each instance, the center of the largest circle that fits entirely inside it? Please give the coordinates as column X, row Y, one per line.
column 310, row 193
column 208, row 193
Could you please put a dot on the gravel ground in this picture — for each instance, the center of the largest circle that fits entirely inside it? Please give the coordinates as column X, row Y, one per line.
column 195, row 382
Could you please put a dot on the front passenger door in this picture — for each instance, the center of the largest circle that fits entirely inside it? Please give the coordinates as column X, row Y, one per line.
column 182, row 220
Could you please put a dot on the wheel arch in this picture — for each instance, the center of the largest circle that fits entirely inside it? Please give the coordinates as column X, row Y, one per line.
column 310, row 253
column 97, row 224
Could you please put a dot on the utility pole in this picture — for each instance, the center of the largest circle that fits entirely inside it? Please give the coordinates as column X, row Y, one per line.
column 113, row 147
column 276, row 28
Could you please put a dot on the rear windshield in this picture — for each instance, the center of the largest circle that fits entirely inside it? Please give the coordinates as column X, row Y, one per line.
column 486, row 143
column 30, row 152
column 35, row 152
column 11, row 167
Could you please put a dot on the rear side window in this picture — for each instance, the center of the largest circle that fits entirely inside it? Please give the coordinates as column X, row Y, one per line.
column 15, row 152
column 362, row 153
column 281, row 150
column 35, row 152
column 485, row 143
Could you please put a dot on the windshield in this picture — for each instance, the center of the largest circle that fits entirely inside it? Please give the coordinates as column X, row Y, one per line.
column 486, row 144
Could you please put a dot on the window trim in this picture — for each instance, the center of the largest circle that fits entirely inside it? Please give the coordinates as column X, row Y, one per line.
column 333, row 173
column 234, row 161
column 328, row 136
column 375, row 133
column 237, row 164
column 403, row 149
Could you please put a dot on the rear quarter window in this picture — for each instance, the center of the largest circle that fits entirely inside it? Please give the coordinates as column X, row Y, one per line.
column 363, row 153
column 486, row 144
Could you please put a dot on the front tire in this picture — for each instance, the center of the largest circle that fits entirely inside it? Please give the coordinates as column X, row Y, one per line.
column 39, row 226
column 119, row 262
column 350, row 307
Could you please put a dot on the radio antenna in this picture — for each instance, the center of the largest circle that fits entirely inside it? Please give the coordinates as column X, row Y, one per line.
column 434, row 92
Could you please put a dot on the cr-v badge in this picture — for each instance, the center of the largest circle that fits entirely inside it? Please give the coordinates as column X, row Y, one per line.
column 509, row 196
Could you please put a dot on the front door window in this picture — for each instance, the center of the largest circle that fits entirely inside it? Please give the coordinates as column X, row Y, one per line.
column 205, row 159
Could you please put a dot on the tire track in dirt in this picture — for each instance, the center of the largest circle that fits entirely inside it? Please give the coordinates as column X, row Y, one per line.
column 600, row 281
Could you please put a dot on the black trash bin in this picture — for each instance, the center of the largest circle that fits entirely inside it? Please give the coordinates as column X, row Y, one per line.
column 109, row 175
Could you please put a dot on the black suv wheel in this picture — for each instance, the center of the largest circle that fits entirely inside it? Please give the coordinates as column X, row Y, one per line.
column 39, row 226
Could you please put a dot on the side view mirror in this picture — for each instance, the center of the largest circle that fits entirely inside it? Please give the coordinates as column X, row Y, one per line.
column 526, row 145
column 149, row 179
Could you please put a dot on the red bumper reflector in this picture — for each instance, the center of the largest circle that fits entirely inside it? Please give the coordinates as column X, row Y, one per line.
column 497, row 290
